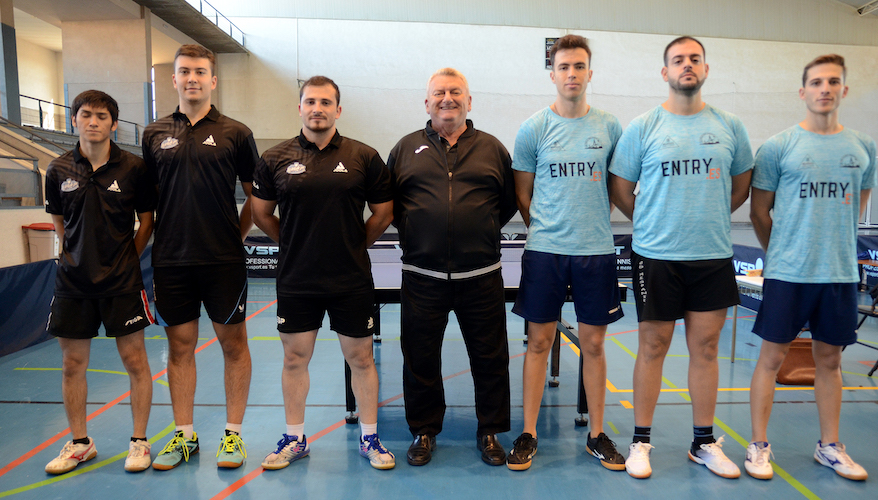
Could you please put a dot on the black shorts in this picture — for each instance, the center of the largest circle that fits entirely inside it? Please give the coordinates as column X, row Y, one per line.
column 349, row 315
column 665, row 289
column 81, row 318
column 180, row 291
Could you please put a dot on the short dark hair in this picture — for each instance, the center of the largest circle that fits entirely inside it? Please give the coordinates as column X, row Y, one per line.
column 825, row 59
column 199, row 52
column 319, row 81
column 568, row 42
column 96, row 99
column 680, row 40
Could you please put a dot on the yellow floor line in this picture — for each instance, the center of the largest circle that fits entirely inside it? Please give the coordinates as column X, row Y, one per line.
column 612, row 427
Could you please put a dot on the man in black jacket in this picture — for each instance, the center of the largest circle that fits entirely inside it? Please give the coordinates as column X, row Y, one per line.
column 453, row 193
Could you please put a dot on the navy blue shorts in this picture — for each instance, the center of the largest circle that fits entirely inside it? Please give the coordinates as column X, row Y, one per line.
column 349, row 315
column 829, row 308
column 592, row 281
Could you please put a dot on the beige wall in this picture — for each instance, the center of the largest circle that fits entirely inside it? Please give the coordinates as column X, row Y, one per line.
column 14, row 244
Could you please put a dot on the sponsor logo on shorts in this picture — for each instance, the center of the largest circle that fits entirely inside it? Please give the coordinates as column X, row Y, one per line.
column 241, row 308
column 69, row 185
column 340, row 169
column 593, row 143
column 296, row 168
column 370, row 323
column 280, row 320
column 421, row 148
column 134, row 320
column 209, row 141
column 611, row 311
column 169, row 143
column 641, row 280
column 114, row 187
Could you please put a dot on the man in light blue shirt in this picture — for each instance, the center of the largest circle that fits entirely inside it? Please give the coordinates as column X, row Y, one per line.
column 561, row 157
column 817, row 176
column 693, row 164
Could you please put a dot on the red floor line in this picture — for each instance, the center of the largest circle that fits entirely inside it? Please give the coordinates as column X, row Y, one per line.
column 52, row 440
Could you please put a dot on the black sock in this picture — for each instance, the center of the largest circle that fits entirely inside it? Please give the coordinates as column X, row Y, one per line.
column 703, row 435
column 641, row 434
column 81, row 441
column 136, row 439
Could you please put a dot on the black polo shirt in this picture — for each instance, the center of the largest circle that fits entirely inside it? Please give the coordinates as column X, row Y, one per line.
column 99, row 258
column 322, row 195
column 196, row 167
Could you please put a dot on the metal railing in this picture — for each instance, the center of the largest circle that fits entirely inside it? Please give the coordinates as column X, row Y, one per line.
column 49, row 115
column 222, row 22
column 20, row 186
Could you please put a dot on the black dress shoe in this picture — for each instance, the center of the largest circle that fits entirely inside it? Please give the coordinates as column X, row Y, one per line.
column 492, row 451
column 421, row 450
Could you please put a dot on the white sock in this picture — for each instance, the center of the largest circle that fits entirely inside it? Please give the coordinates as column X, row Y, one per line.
column 188, row 430
column 297, row 430
column 236, row 428
column 367, row 429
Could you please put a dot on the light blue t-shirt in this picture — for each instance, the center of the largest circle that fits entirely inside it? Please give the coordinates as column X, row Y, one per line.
column 685, row 165
column 817, row 181
column 570, row 208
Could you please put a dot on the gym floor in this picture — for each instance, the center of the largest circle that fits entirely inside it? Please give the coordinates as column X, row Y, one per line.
column 34, row 426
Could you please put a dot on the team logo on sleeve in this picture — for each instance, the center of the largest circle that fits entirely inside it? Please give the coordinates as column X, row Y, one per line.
column 296, row 168
column 709, row 139
column 255, row 185
column 209, row 141
column 669, row 143
column 339, row 169
column 808, row 163
column 421, row 148
column 169, row 143
column 593, row 143
column 849, row 161
column 69, row 185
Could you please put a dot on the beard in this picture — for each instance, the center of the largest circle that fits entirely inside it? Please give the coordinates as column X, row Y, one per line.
column 686, row 89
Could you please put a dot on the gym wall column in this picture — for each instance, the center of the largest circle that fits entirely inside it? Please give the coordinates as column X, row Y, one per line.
column 10, row 101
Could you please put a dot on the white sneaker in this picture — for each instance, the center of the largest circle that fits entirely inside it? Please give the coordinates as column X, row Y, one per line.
column 637, row 463
column 758, row 462
column 833, row 455
column 711, row 455
column 138, row 456
column 71, row 456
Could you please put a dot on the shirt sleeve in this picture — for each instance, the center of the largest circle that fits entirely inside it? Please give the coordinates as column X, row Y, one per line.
column 628, row 154
column 743, row 159
column 378, row 189
column 869, row 178
column 53, row 193
column 147, row 197
column 248, row 157
column 525, row 153
column 263, row 181
column 614, row 130
column 766, row 170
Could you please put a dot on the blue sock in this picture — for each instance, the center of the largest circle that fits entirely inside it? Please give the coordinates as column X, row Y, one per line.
column 641, row 434
column 703, row 435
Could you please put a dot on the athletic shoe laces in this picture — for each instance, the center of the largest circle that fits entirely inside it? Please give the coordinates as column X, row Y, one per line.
column 231, row 442
column 178, row 441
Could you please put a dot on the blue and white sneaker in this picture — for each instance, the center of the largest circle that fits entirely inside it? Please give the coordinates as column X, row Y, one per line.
column 289, row 449
column 379, row 457
column 833, row 456
column 758, row 462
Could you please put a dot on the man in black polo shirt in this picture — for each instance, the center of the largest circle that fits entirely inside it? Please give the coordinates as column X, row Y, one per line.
column 196, row 155
column 93, row 193
column 322, row 182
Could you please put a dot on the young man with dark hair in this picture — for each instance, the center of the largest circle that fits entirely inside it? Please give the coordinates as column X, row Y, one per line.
column 693, row 163
column 322, row 182
column 93, row 193
column 816, row 177
column 569, row 241
column 196, row 154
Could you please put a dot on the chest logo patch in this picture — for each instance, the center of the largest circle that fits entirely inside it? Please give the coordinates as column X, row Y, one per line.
column 849, row 161
column 296, row 168
column 708, row 139
column 69, row 185
column 170, row 142
column 340, row 169
column 669, row 143
column 593, row 143
column 209, row 141
column 807, row 163
column 114, row 187
column 421, row 148
column 556, row 146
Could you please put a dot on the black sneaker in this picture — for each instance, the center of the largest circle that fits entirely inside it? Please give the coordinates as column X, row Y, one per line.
column 523, row 450
column 604, row 449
